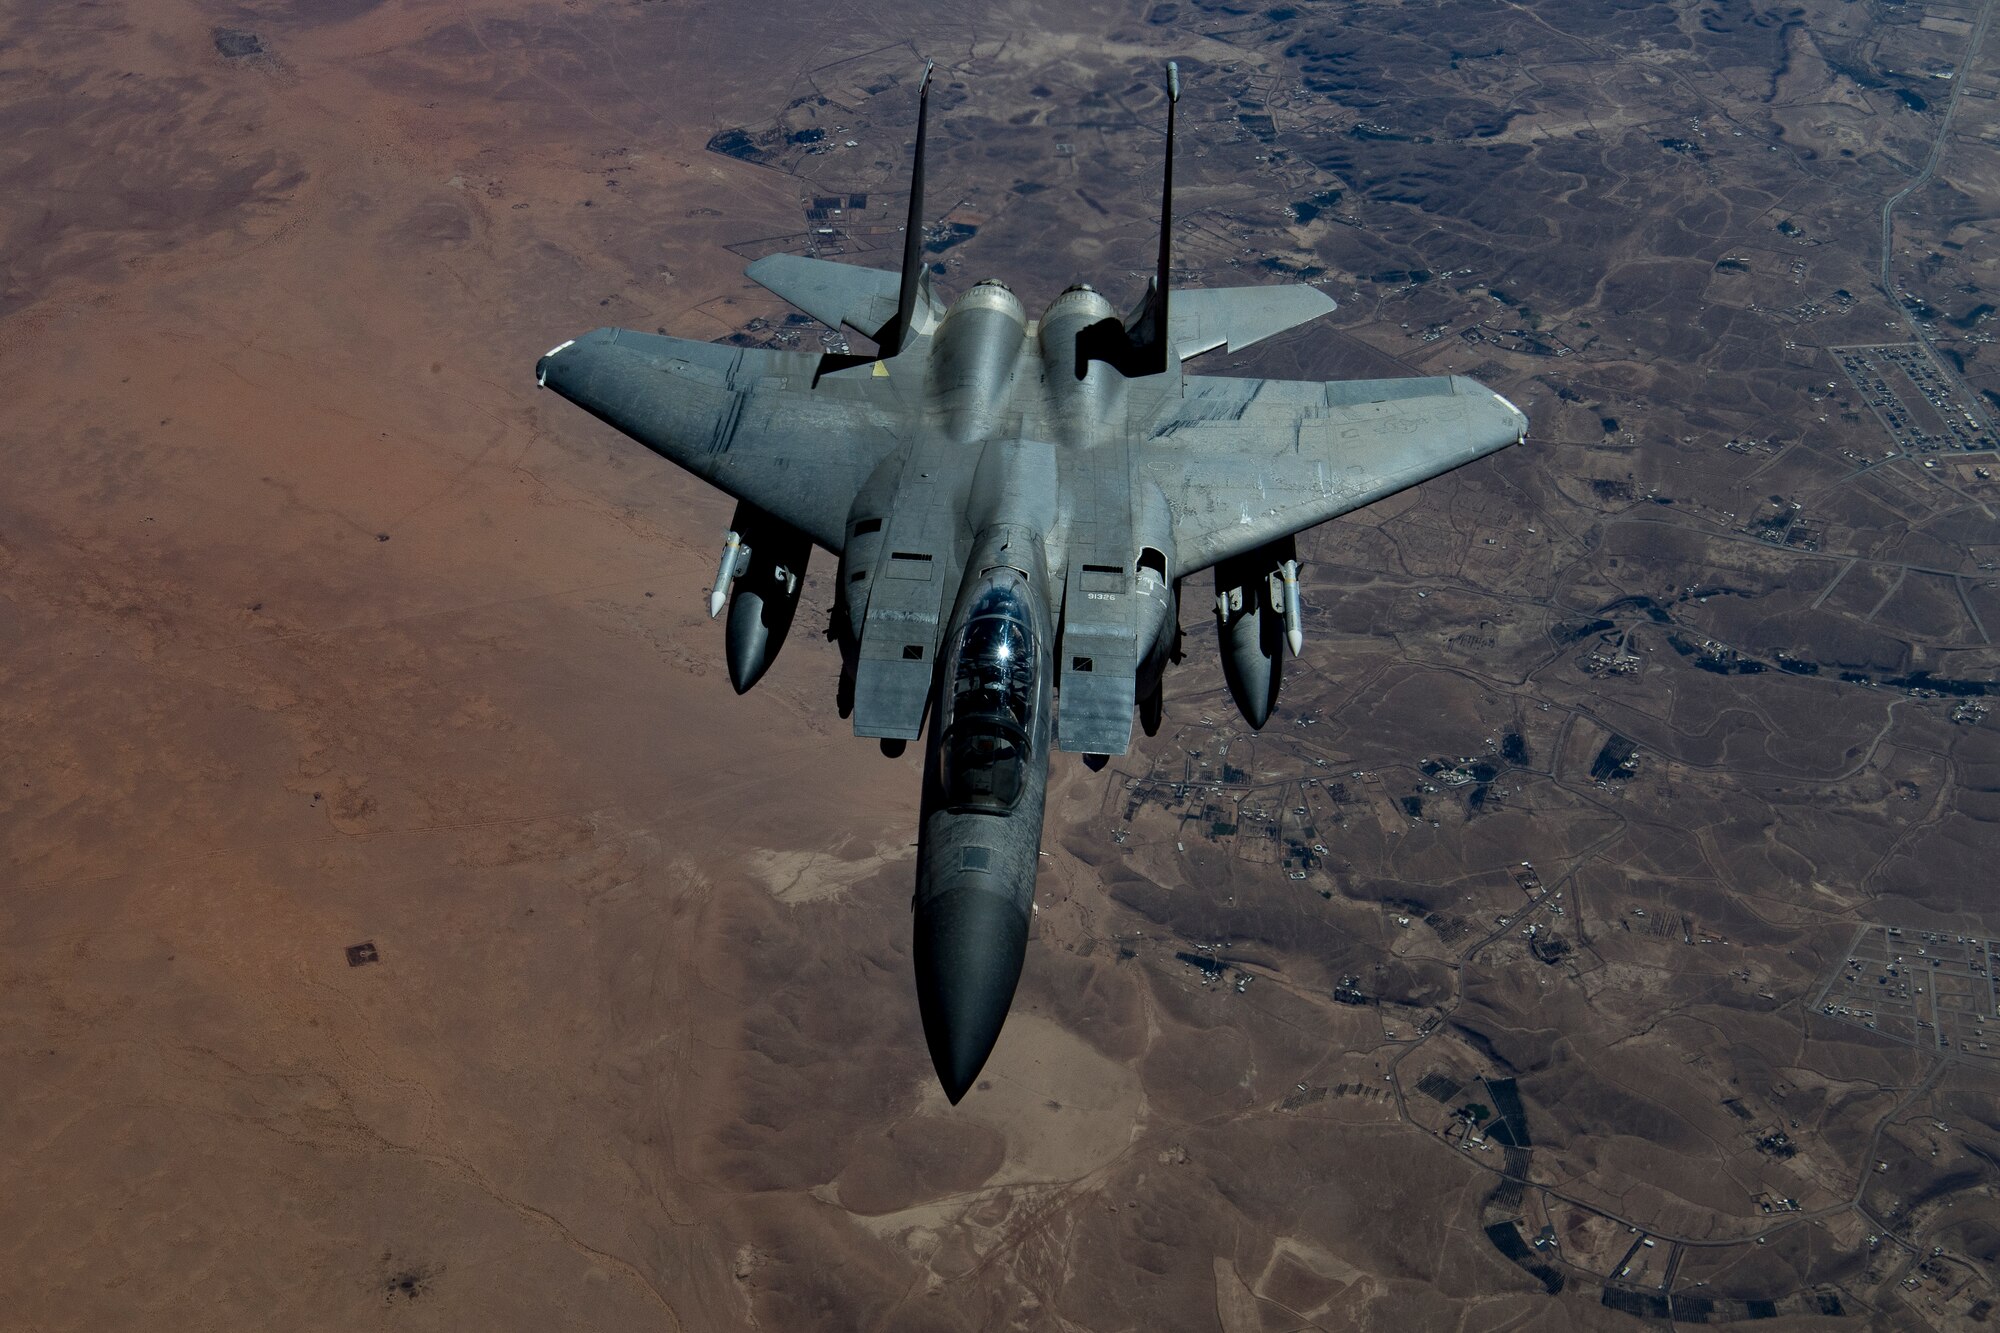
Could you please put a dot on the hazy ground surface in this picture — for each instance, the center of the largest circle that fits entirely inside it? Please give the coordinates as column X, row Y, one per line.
column 319, row 627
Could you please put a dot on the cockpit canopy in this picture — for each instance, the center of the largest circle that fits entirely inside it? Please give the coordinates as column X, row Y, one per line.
column 989, row 720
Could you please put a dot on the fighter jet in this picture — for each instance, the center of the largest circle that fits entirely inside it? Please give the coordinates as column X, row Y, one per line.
column 1016, row 505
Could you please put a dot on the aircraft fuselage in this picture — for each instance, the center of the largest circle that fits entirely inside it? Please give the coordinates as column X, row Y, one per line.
column 1012, row 423
column 985, row 782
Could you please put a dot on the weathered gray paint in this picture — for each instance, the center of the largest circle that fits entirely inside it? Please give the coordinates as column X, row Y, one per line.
column 1069, row 450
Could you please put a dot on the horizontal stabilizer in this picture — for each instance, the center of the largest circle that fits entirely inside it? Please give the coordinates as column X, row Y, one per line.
column 1207, row 318
column 864, row 299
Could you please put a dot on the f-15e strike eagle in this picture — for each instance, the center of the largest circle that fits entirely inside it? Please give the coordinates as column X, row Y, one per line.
column 1015, row 505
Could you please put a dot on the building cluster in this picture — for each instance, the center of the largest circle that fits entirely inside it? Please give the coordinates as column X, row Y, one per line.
column 1930, row 989
column 788, row 334
column 1605, row 660
column 1880, row 373
column 1785, row 523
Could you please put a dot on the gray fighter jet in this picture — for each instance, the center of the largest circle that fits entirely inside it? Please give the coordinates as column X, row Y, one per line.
column 1015, row 505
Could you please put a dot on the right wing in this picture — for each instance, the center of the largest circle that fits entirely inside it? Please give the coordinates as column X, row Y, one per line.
column 767, row 427
column 1244, row 462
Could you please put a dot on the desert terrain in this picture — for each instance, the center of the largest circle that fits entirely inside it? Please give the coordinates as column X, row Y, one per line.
column 404, row 925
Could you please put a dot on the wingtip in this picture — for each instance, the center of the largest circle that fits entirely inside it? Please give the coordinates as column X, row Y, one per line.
column 1520, row 417
column 542, row 366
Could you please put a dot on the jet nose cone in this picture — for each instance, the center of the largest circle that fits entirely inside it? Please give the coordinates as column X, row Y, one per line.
column 969, row 947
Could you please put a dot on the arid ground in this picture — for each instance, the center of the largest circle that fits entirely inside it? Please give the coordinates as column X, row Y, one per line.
column 404, row 925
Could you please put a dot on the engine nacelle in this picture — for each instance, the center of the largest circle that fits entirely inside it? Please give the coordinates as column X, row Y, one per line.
column 1253, row 611
column 770, row 571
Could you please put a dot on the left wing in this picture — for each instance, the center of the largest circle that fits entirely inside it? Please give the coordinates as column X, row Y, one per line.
column 1244, row 462
column 767, row 427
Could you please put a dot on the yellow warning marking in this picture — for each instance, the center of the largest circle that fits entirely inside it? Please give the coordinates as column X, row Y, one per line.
column 881, row 370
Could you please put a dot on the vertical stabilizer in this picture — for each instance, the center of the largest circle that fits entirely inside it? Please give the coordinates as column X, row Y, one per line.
column 909, row 292
column 1149, row 351
column 1161, row 324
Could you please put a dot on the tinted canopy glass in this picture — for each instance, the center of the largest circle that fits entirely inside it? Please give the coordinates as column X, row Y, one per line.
column 989, row 716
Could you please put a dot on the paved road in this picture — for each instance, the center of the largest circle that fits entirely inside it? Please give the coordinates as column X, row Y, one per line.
column 1922, row 179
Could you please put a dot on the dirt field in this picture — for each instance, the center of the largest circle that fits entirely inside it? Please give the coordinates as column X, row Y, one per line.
column 403, row 924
